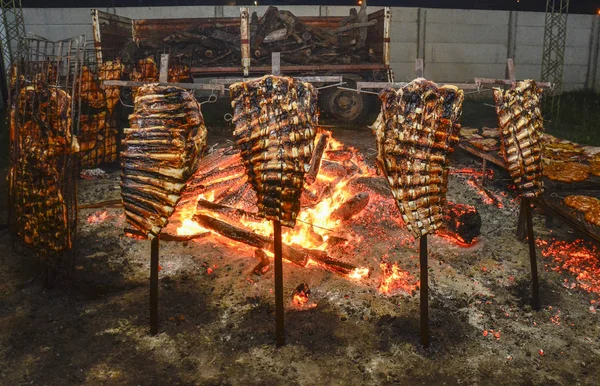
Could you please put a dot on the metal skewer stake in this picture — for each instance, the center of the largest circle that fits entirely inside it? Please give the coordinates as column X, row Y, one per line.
column 424, row 289
column 154, row 248
column 277, row 250
column 535, row 285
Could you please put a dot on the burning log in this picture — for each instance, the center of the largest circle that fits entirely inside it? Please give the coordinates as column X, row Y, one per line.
column 227, row 210
column 315, row 162
column 249, row 238
column 463, row 221
column 339, row 155
column 351, row 207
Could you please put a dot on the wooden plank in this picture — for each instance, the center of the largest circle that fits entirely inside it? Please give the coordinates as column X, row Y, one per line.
column 309, row 79
column 510, row 67
column 276, row 63
column 507, row 82
column 419, row 67
column 245, row 40
column 387, row 23
column 192, row 86
column 489, row 156
column 163, row 76
column 384, row 85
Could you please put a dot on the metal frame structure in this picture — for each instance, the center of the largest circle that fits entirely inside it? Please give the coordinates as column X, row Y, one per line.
column 43, row 159
column 553, row 56
column 12, row 30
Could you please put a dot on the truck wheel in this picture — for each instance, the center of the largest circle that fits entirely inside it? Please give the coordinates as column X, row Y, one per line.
column 344, row 105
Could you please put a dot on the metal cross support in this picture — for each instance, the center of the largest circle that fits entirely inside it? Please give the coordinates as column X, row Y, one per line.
column 535, row 286
column 279, row 310
column 163, row 81
column 424, row 291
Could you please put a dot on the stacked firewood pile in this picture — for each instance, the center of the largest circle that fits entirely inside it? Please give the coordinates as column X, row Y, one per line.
column 199, row 46
column 300, row 43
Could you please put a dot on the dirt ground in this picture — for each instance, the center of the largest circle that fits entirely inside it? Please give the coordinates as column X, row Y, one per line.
column 217, row 318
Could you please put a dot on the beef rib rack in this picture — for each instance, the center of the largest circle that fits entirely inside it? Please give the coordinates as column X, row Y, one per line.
column 416, row 130
column 275, row 120
column 521, row 126
column 161, row 150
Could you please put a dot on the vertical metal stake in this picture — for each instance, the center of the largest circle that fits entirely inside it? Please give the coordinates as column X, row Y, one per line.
column 483, row 168
column 535, row 285
column 424, row 292
column 154, row 247
column 277, row 250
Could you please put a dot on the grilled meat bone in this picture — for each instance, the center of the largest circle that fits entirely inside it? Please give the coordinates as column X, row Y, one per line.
column 521, row 126
column 161, row 150
column 416, row 129
column 275, row 119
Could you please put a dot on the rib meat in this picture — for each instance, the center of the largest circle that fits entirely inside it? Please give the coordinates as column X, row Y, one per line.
column 416, row 130
column 161, row 150
column 111, row 70
column 41, row 123
column 275, row 119
column 521, row 126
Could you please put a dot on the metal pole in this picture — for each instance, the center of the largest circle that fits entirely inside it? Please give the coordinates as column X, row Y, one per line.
column 279, row 327
column 424, row 292
column 535, row 298
column 154, row 247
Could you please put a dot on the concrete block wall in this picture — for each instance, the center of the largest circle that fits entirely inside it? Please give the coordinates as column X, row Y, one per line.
column 456, row 45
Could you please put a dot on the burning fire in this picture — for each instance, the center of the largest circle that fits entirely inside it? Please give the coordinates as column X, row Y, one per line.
column 300, row 297
column 98, row 217
column 394, row 278
column 359, row 273
column 315, row 225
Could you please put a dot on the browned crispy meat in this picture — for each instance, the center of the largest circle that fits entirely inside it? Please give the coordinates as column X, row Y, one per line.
column 417, row 128
column 161, row 150
column 275, row 119
column 521, row 126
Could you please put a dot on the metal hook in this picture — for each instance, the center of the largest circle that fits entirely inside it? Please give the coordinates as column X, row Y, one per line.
column 212, row 98
column 121, row 100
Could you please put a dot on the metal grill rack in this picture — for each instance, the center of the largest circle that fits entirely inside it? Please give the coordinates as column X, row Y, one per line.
column 43, row 154
column 556, row 205
column 98, row 139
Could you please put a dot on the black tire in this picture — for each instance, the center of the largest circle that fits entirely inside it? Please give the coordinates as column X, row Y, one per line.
column 344, row 105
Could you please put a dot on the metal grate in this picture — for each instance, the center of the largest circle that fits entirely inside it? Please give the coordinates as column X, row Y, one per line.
column 11, row 31
column 553, row 56
column 556, row 204
column 97, row 121
column 43, row 163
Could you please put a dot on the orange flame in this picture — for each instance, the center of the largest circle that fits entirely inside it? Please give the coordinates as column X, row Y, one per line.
column 314, row 224
column 394, row 278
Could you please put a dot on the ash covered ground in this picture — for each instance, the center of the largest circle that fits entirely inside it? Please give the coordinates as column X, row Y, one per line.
column 217, row 317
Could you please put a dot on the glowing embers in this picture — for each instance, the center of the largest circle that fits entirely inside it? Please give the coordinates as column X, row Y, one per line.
column 300, row 298
column 98, row 217
column 395, row 279
column 578, row 258
column 487, row 196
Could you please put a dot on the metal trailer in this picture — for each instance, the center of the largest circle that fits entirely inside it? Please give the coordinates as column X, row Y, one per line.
column 112, row 34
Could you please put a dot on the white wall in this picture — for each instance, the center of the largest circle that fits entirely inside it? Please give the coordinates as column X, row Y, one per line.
column 457, row 45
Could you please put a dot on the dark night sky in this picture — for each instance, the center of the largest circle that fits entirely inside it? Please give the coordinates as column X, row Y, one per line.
column 577, row 6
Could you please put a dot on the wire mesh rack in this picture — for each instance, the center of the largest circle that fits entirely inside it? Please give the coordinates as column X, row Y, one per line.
column 98, row 135
column 44, row 122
